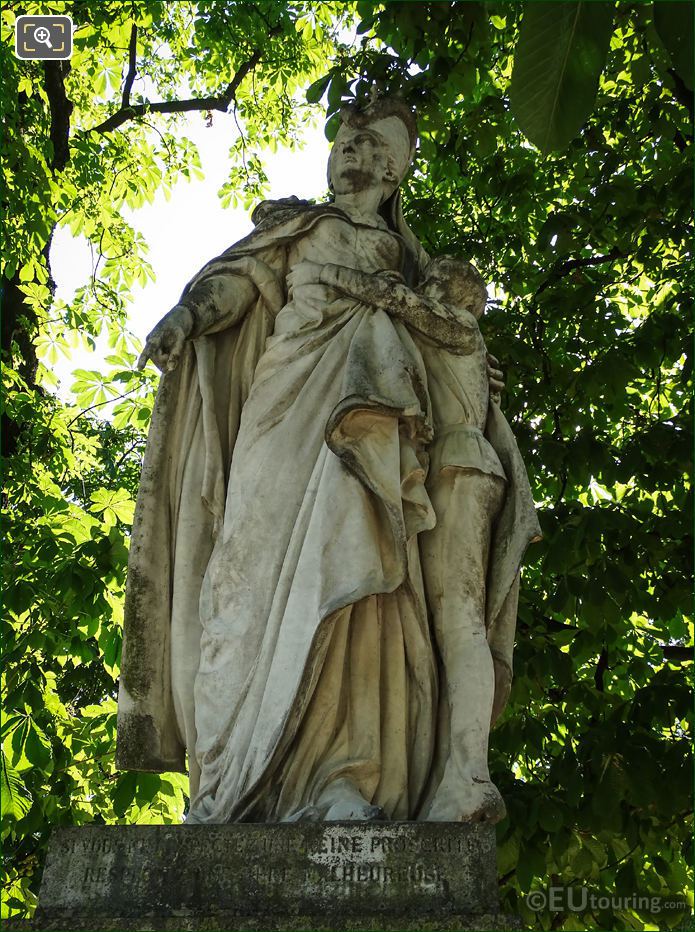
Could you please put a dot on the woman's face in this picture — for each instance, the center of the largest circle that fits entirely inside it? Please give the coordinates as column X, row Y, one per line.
column 359, row 160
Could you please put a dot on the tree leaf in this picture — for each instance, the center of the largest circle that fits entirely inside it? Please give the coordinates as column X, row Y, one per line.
column 113, row 503
column 316, row 90
column 559, row 57
column 17, row 740
column 674, row 24
column 148, row 786
column 15, row 798
column 550, row 816
column 37, row 747
column 125, row 791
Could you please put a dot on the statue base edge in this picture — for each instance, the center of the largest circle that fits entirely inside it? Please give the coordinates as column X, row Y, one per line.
column 470, row 922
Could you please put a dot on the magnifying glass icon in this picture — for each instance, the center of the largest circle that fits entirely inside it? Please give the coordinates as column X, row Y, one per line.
column 42, row 35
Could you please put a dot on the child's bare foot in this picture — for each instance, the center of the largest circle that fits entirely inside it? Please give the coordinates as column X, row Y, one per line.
column 472, row 800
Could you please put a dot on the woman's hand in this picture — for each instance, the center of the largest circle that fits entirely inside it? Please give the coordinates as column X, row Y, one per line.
column 165, row 343
column 495, row 378
column 391, row 275
column 304, row 273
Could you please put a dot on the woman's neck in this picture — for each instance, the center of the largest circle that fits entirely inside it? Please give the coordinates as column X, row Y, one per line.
column 365, row 203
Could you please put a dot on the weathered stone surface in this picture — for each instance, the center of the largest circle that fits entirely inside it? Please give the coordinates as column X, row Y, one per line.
column 284, row 876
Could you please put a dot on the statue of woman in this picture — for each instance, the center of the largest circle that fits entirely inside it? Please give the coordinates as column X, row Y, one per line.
column 276, row 620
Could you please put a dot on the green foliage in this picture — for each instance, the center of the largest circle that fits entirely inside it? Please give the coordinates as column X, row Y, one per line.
column 587, row 254
column 559, row 57
column 674, row 24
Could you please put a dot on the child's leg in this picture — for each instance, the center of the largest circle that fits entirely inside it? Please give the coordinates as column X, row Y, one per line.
column 454, row 558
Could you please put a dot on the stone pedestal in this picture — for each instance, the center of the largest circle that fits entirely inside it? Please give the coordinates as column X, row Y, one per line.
column 311, row 876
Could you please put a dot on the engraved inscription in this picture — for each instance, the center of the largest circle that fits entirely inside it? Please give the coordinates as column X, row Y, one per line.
column 269, row 873
column 339, row 844
column 95, row 875
column 416, row 875
column 98, row 846
column 280, row 843
column 301, row 868
column 434, row 845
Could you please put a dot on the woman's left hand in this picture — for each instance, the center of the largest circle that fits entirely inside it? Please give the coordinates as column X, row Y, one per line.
column 495, row 378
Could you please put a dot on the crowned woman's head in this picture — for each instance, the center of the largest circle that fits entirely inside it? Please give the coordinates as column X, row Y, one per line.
column 373, row 146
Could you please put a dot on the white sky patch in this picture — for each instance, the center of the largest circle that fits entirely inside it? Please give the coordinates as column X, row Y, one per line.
column 186, row 231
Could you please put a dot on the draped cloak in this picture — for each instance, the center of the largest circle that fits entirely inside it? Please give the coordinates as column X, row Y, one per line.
column 196, row 421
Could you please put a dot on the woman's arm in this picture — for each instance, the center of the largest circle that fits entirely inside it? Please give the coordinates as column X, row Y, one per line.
column 219, row 301
column 456, row 331
column 215, row 303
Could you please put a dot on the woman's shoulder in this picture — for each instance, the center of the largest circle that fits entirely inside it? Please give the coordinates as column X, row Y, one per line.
column 271, row 212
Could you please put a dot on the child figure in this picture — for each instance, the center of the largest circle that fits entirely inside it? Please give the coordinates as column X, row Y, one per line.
column 466, row 485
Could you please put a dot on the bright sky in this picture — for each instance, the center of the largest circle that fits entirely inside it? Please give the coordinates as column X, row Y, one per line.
column 187, row 230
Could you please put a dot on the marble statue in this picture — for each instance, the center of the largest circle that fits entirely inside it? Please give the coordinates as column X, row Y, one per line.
column 324, row 565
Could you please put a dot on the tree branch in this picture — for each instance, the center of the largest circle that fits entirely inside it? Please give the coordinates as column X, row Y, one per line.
column 678, row 652
column 19, row 320
column 581, row 262
column 132, row 67
column 220, row 102
column 61, row 108
column 601, row 668
column 99, row 404
column 682, row 93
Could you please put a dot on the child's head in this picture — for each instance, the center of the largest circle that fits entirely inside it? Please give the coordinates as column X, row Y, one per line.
column 456, row 283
